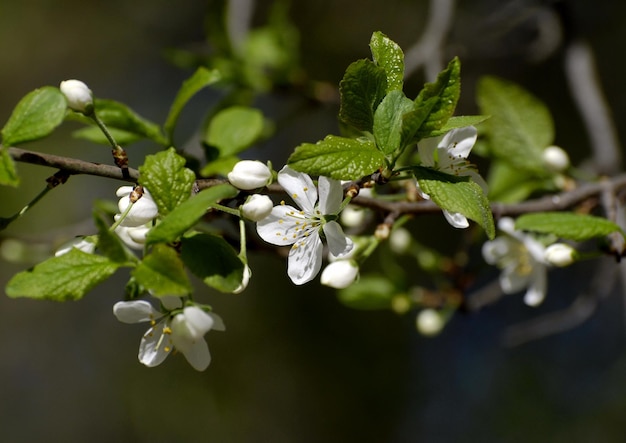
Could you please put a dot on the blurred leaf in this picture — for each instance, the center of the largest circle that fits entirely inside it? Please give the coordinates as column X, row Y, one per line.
column 221, row 166
column 369, row 292
column 460, row 121
column 338, row 157
column 567, row 225
column 162, row 272
column 187, row 214
column 446, row 91
column 508, row 184
column 212, row 259
column 200, row 79
column 457, row 194
column 167, row 179
column 234, row 129
column 36, row 115
column 8, row 171
column 110, row 245
column 362, row 88
column 389, row 119
column 520, row 127
column 67, row 277
column 95, row 135
column 389, row 56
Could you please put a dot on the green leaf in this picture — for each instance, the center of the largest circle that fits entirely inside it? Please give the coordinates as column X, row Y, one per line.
column 389, row 56
column 35, row 116
column 460, row 121
column 369, row 292
column 338, row 157
column 221, row 166
column 200, row 79
column 389, row 119
column 362, row 88
column 116, row 115
column 110, row 244
column 446, row 91
column 8, row 172
column 95, row 135
column 167, row 179
column 162, row 272
column 67, row 277
column 187, row 214
column 567, row 225
column 235, row 129
column 457, row 194
column 508, row 184
column 212, row 259
column 520, row 127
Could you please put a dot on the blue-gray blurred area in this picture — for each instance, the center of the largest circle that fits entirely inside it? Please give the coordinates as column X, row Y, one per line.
column 295, row 365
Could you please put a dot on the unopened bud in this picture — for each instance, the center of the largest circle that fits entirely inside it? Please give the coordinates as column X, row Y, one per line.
column 555, row 159
column 144, row 208
column 560, row 254
column 352, row 216
column 382, row 231
column 250, row 174
column 429, row 322
column 257, row 207
column 400, row 240
column 78, row 95
column 340, row 274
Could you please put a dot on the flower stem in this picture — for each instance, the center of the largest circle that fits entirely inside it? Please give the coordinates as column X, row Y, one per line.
column 243, row 254
column 122, row 217
column 226, row 209
column 4, row 222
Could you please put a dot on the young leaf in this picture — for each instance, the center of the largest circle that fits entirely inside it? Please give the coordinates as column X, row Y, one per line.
column 457, row 194
column 338, row 157
column 369, row 292
column 389, row 120
column 567, row 225
column 446, row 91
column 460, row 121
column 8, row 172
column 520, row 126
column 212, row 259
column 185, row 215
column 362, row 88
column 116, row 115
column 36, row 115
column 234, row 129
column 167, row 179
column 162, row 272
column 388, row 55
column 200, row 79
column 67, row 277
column 110, row 244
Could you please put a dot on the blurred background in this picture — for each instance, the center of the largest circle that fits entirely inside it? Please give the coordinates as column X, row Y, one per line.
column 295, row 365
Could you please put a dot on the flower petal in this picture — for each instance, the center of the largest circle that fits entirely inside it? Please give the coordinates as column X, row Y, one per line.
column 538, row 286
column 331, row 195
column 281, row 227
column 494, row 250
column 458, row 142
column 155, row 346
column 339, row 243
column 198, row 355
column 300, row 188
column 456, row 219
column 305, row 259
column 512, row 281
column 218, row 323
column 135, row 311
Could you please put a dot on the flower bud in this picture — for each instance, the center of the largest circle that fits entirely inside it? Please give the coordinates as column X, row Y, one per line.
column 560, row 254
column 247, row 273
column 382, row 231
column 79, row 97
column 144, row 209
column 79, row 243
column 400, row 240
column 257, row 207
column 352, row 216
column 340, row 274
column 429, row 322
column 250, row 174
column 555, row 159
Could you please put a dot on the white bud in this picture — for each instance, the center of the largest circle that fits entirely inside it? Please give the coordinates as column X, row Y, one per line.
column 429, row 322
column 78, row 95
column 144, row 210
column 250, row 174
column 352, row 217
column 555, row 159
column 79, row 243
column 340, row 274
column 133, row 236
column 382, row 231
column 257, row 207
column 560, row 254
column 400, row 240
column 247, row 273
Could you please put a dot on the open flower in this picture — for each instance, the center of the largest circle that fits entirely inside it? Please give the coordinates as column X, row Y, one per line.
column 522, row 260
column 302, row 227
column 449, row 154
column 182, row 329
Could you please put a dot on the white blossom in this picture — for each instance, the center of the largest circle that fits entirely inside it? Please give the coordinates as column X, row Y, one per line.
column 522, row 261
column 340, row 274
column 429, row 322
column 133, row 236
column 301, row 228
column 449, row 154
column 143, row 211
column 250, row 174
column 257, row 207
column 560, row 254
column 182, row 329
column 78, row 95
column 80, row 243
column 247, row 273
column 400, row 240
column 555, row 159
